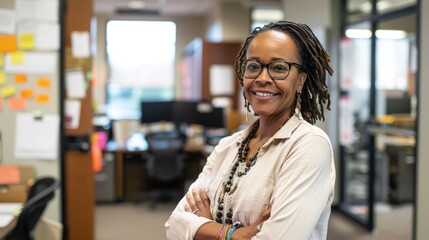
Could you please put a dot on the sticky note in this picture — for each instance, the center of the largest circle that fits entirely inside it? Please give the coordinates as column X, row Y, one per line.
column 17, row 57
column 43, row 82
column 2, row 78
column 26, row 93
column 1, row 103
column 20, row 78
column 7, row 43
column 1, row 59
column 9, row 174
column 42, row 98
column 26, row 41
column 17, row 103
column 8, row 91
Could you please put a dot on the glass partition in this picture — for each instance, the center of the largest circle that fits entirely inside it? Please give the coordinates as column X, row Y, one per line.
column 355, row 79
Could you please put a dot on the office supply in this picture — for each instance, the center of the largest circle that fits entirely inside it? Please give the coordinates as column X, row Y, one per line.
column 7, row 21
column 9, row 174
column 36, row 138
column 10, row 208
column 5, row 219
column 31, row 62
column 75, row 83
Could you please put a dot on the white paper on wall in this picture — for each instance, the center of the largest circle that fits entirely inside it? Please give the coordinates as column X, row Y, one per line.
column 37, row 137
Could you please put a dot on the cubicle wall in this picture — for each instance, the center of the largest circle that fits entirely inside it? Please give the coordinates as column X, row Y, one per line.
column 30, row 48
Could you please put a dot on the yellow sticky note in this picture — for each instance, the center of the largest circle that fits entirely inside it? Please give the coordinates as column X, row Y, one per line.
column 2, row 77
column 26, row 41
column 42, row 98
column 8, row 91
column 1, row 59
column 17, row 57
column 17, row 103
column 43, row 82
column 20, row 78
column 7, row 43
column 26, row 93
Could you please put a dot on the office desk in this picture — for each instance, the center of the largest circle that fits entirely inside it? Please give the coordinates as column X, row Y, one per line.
column 124, row 155
column 4, row 231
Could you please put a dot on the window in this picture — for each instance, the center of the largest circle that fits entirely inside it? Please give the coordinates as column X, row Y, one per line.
column 141, row 58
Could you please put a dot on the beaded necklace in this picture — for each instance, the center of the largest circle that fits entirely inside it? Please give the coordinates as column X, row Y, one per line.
column 228, row 188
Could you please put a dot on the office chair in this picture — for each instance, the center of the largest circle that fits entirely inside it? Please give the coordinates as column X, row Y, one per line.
column 39, row 195
column 165, row 165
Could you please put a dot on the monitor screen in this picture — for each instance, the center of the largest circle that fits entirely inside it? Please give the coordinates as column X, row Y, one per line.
column 156, row 112
column 201, row 113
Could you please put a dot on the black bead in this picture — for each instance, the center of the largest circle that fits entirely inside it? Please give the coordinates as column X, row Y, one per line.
column 219, row 214
column 218, row 220
column 228, row 221
column 229, row 214
column 227, row 189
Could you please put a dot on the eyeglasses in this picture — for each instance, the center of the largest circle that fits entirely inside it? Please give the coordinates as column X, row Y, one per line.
column 278, row 70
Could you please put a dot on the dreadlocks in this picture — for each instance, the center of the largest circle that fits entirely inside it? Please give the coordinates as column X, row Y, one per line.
column 315, row 62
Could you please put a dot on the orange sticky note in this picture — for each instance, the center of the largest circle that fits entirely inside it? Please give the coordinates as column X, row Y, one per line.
column 43, row 83
column 7, row 43
column 8, row 91
column 1, row 103
column 2, row 77
column 20, row 78
column 42, row 98
column 9, row 175
column 26, row 93
column 17, row 103
column 26, row 41
column 17, row 57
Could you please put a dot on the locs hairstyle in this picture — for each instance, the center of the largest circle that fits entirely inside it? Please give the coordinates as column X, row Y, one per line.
column 315, row 62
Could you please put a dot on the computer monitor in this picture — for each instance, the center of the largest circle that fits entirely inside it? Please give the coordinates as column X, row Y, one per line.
column 195, row 112
column 156, row 111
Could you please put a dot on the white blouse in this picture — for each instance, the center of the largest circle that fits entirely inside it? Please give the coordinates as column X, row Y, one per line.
column 294, row 173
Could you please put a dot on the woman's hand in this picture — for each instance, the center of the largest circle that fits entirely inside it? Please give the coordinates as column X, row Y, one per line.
column 251, row 230
column 198, row 203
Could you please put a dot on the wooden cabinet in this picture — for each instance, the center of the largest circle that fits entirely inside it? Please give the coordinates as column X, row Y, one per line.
column 197, row 63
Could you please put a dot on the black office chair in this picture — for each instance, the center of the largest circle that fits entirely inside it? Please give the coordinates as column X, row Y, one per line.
column 39, row 195
column 165, row 166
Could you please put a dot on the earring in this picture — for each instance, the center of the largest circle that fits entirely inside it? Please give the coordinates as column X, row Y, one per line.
column 246, row 106
column 298, row 101
column 298, row 105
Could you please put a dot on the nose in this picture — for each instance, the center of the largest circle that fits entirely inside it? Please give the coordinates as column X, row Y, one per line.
column 264, row 76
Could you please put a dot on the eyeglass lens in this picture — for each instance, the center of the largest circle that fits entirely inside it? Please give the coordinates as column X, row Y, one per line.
column 277, row 70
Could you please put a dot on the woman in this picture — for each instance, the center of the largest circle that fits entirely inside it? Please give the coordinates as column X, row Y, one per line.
column 275, row 179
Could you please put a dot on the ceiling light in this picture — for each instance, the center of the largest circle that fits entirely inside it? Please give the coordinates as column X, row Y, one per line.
column 137, row 4
column 390, row 34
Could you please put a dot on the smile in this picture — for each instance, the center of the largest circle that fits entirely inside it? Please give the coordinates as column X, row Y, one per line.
column 264, row 94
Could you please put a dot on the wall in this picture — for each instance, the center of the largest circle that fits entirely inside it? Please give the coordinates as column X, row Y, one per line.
column 422, row 197
column 7, row 129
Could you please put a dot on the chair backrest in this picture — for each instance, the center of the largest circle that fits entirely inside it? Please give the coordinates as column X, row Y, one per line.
column 166, row 155
column 40, row 193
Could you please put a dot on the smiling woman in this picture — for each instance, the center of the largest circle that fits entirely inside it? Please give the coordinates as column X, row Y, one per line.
column 141, row 58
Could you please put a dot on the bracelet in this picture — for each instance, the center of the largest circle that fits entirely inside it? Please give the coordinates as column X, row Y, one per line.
column 231, row 231
column 222, row 230
column 225, row 234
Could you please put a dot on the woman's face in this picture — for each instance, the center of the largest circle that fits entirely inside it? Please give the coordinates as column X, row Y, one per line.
column 270, row 97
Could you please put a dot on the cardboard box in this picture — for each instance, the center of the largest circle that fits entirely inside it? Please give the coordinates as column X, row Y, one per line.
column 18, row 192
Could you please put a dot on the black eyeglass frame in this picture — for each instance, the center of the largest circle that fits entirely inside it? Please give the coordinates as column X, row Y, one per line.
column 267, row 65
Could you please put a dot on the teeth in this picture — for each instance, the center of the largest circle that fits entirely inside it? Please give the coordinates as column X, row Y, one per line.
column 264, row 94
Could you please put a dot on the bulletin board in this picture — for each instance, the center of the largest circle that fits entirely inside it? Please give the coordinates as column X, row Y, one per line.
column 30, row 74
